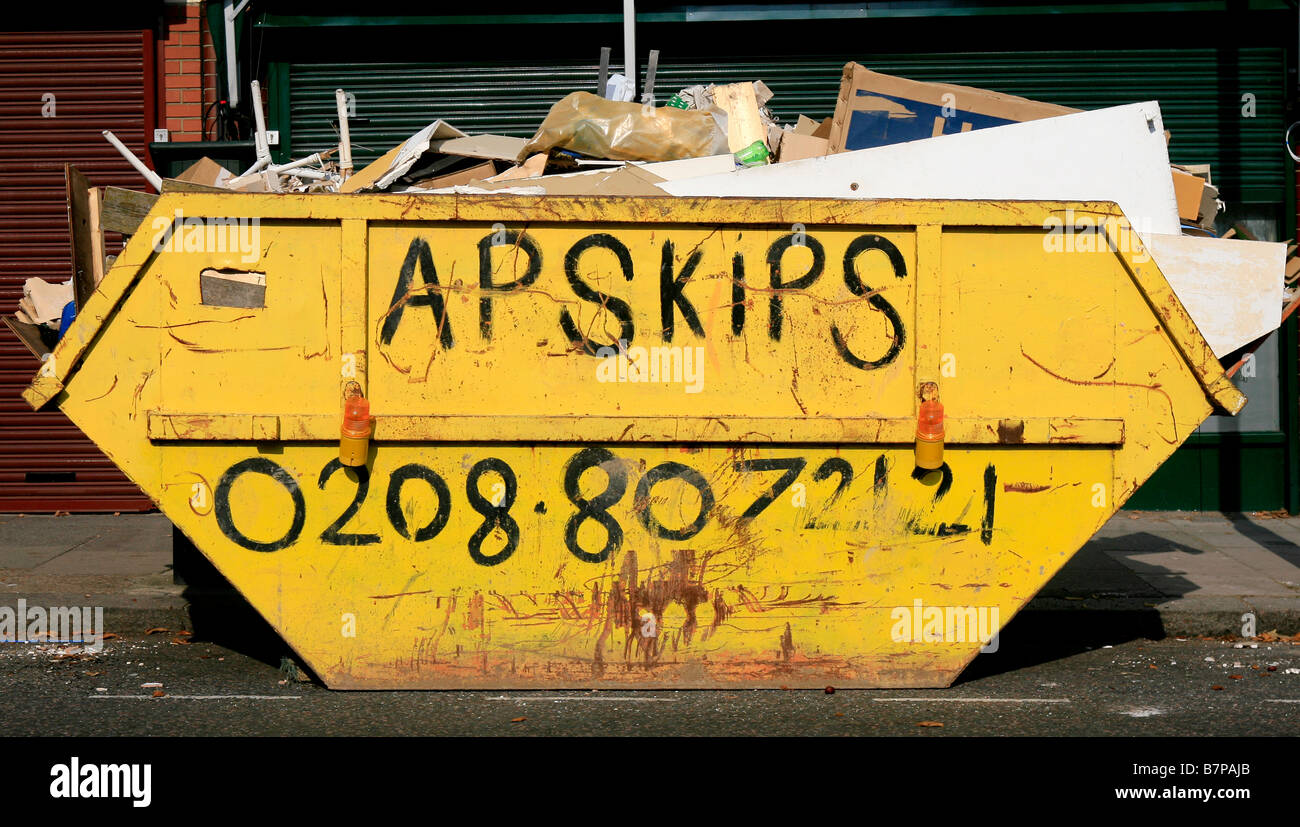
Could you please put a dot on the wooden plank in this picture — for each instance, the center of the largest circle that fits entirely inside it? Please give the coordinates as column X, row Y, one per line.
column 743, row 123
column 123, row 210
column 176, row 185
column 95, row 202
column 81, row 231
column 29, row 335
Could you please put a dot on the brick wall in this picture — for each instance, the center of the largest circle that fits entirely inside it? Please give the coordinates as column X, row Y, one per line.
column 187, row 70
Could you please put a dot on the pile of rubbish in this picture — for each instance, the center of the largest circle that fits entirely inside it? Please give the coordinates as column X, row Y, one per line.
column 889, row 137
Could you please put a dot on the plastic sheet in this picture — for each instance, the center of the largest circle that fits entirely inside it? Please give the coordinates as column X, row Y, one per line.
column 590, row 125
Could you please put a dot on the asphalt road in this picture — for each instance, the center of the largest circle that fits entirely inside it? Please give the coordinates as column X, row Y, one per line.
column 1134, row 688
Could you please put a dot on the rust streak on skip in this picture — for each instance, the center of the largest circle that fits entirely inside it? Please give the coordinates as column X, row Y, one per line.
column 187, row 324
column 1153, row 387
column 398, row 594
column 1024, row 487
column 105, row 393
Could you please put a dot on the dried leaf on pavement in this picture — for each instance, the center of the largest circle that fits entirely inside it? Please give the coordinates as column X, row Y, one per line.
column 928, row 723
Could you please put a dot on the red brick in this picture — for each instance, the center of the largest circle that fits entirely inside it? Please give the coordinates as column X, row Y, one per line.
column 174, row 95
column 188, row 38
column 188, row 25
column 191, row 96
column 182, row 53
column 174, row 124
column 183, row 110
column 181, row 82
column 172, row 67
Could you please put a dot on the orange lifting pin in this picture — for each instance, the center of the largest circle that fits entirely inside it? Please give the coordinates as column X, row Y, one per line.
column 929, row 429
column 354, row 443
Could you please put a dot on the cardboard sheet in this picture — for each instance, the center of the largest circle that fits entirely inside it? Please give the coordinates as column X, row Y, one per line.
column 398, row 161
column 878, row 110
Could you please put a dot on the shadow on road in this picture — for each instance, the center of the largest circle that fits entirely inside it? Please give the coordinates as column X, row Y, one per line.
column 221, row 615
column 1062, row 621
column 1032, row 638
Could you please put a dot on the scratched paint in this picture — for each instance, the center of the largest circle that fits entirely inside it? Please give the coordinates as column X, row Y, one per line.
column 522, row 523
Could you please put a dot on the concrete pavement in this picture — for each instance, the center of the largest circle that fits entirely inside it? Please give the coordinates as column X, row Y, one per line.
column 1150, row 573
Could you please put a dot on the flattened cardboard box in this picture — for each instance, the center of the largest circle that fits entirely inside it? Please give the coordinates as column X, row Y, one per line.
column 878, row 110
column 795, row 147
column 1188, row 189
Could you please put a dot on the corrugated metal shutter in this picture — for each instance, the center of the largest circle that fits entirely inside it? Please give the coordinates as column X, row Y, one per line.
column 1199, row 90
column 98, row 80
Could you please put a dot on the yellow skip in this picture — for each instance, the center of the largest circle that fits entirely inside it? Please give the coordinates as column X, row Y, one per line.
column 633, row 442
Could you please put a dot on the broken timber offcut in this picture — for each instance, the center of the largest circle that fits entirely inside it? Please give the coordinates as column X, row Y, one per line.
column 635, row 442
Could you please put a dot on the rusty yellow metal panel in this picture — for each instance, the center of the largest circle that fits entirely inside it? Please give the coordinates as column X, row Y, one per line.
column 634, row 442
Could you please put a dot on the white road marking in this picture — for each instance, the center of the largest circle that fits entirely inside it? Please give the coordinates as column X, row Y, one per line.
column 975, row 700
column 581, row 698
column 1282, row 701
column 207, row 697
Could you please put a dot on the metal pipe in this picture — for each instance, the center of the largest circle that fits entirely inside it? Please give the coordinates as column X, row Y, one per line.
column 259, row 120
column 629, row 48
column 250, row 173
column 602, row 79
column 651, row 66
column 152, row 177
column 314, row 174
column 229, row 13
column 301, row 162
column 345, row 142
column 258, row 166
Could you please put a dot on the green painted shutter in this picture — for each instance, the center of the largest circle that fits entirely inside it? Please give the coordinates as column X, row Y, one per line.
column 1200, row 93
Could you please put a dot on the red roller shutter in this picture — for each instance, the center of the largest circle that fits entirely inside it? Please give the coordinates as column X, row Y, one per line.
column 99, row 80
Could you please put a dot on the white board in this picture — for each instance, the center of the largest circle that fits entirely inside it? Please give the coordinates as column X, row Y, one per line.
column 1232, row 288
column 1115, row 154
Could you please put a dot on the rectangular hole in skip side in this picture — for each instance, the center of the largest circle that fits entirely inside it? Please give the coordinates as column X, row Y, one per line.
column 232, row 288
column 51, row 476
